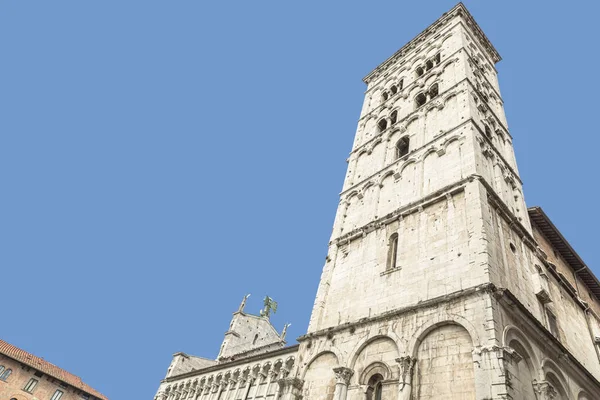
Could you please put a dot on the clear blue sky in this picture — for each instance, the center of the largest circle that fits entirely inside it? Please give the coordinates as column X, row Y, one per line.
column 160, row 159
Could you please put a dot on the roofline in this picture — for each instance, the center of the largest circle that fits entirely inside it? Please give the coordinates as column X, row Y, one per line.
column 457, row 9
column 37, row 368
column 228, row 364
column 539, row 217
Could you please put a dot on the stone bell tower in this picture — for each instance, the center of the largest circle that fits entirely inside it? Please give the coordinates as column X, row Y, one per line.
column 432, row 244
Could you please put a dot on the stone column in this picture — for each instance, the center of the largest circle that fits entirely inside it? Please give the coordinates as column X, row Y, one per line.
column 544, row 390
column 272, row 378
column 290, row 388
column 407, row 366
column 240, row 381
column 250, row 381
column 262, row 376
column 342, row 379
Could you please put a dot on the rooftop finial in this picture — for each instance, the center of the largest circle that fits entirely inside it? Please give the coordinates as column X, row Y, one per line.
column 241, row 309
column 270, row 305
column 284, row 332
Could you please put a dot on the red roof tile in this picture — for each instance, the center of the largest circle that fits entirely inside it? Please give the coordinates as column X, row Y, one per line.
column 49, row 369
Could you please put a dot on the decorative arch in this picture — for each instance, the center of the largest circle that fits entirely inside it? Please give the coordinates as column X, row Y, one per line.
column 386, row 175
column 376, row 367
column 448, row 141
column 550, row 368
column 437, row 322
column 391, row 336
column 407, row 164
column 317, row 356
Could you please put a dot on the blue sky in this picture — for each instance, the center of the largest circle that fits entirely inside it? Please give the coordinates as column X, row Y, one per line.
column 160, row 159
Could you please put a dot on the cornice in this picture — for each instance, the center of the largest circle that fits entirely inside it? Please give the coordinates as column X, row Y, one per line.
column 403, row 211
column 458, row 10
column 225, row 365
column 485, row 288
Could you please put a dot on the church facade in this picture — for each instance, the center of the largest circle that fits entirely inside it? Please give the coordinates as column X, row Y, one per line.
column 439, row 282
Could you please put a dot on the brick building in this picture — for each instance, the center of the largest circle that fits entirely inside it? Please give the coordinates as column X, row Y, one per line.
column 24, row 376
column 439, row 282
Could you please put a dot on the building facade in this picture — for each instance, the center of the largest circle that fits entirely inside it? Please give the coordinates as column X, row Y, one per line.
column 24, row 376
column 439, row 282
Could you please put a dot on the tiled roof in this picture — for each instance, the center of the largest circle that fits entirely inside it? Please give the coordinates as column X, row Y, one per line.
column 49, row 369
column 558, row 241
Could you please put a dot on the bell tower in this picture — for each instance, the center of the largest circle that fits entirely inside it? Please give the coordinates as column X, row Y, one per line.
column 434, row 270
column 409, row 225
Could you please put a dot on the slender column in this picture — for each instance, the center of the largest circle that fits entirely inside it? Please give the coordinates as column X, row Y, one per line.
column 249, row 386
column 213, row 389
column 230, row 384
column 272, row 378
column 407, row 365
column 544, row 390
column 240, row 382
column 342, row 379
column 262, row 376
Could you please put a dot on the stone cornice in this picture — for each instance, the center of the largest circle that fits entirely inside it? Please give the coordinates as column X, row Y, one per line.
column 458, row 10
column 485, row 287
column 229, row 364
column 403, row 211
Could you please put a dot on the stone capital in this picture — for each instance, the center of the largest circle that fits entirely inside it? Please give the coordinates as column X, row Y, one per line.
column 407, row 365
column 545, row 390
column 343, row 375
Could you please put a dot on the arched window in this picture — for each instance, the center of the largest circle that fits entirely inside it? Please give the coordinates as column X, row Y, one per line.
column 402, row 147
column 392, row 251
column 384, row 96
column 438, row 58
column 420, row 71
column 394, row 89
column 382, row 125
column 429, row 65
column 420, row 99
column 6, row 374
column 433, row 91
column 394, row 117
column 375, row 387
column 401, row 84
column 488, row 131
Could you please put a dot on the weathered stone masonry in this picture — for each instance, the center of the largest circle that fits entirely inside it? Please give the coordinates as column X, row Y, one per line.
column 439, row 282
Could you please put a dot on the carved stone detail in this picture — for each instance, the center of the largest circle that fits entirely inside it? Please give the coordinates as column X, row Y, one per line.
column 343, row 375
column 545, row 390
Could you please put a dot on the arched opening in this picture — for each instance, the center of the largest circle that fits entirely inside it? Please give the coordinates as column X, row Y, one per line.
column 382, row 125
column 561, row 392
column 255, row 339
column 433, row 91
column 393, row 117
column 522, row 377
column 420, row 71
column 394, row 89
column 392, row 251
column 402, row 147
column 446, row 351
column 429, row 65
column 420, row 99
column 401, row 84
column 375, row 387
column 438, row 58
column 385, row 96
column 488, row 131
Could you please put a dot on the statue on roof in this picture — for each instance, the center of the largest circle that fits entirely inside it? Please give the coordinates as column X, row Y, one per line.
column 270, row 306
column 241, row 309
